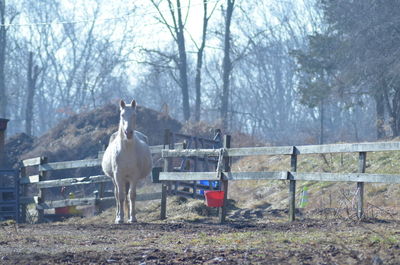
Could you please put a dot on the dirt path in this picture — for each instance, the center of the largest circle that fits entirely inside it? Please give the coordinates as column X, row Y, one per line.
column 305, row 242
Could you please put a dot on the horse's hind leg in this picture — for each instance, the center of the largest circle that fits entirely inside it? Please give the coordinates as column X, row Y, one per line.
column 132, row 199
column 120, row 195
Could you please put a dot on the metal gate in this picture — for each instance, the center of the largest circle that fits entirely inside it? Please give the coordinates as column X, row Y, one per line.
column 9, row 195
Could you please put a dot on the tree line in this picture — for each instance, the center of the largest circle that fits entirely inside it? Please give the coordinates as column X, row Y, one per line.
column 288, row 72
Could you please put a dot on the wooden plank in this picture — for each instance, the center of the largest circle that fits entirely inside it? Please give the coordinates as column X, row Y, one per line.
column 224, row 182
column 280, row 175
column 41, row 198
column 188, row 176
column 362, row 162
column 92, row 201
column 157, row 149
column 154, row 149
column 64, row 203
column 255, row 151
column 190, row 153
column 31, row 162
column 70, row 164
column 167, row 167
column 73, row 181
column 189, row 136
column 292, row 190
column 231, row 152
column 346, row 177
column 283, row 175
column 348, row 148
column 29, row 179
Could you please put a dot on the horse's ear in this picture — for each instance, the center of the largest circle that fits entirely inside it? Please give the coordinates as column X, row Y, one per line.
column 133, row 103
column 122, row 104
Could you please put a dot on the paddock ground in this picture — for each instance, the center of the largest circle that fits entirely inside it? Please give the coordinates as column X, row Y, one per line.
column 253, row 238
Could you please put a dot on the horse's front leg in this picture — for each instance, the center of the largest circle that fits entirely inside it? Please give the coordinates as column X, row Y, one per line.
column 132, row 200
column 120, row 194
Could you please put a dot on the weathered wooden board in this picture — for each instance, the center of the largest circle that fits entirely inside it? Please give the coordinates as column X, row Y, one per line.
column 73, row 181
column 280, row 175
column 283, row 175
column 188, row 137
column 190, row 152
column 70, row 164
column 347, row 148
column 346, row 177
column 92, row 201
column 31, row 162
column 188, row 176
column 154, row 149
column 29, row 179
column 65, row 203
column 287, row 150
column 231, row 152
column 255, row 151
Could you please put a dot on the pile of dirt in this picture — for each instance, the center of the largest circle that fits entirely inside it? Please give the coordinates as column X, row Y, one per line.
column 16, row 146
column 83, row 135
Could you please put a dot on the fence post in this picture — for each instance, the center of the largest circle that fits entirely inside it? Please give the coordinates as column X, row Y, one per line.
column 41, row 195
column 362, row 158
column 22, row 193
column 292, row 188
column 167, row 167
column 224, row 182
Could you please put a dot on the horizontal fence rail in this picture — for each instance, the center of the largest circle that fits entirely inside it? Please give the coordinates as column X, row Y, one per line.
column 291, row 176
column 287, row 150
column 283, row 175
column 93, row 201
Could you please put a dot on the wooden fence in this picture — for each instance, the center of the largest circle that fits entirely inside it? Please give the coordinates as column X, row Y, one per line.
column 292, row 176
column 40, row 182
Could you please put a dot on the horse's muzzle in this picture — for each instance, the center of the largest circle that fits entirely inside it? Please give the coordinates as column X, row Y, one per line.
column 129, row 134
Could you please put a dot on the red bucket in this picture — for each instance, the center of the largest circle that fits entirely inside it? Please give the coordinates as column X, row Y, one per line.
column 214, row 198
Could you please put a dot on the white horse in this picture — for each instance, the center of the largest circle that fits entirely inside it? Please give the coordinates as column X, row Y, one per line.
column 126, row 160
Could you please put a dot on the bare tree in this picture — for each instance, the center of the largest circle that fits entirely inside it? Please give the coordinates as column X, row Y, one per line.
column 177, row 30
column 32, row 76
column 3, row 44
column 199, row 64
column 227, row 64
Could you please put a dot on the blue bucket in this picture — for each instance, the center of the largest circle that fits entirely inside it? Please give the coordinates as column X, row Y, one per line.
column 207, row 183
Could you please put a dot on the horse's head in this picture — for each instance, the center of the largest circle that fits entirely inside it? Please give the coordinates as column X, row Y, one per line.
column 128, row 118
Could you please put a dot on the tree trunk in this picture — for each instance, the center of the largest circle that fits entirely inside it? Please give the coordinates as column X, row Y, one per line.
column 183, row 64
column 3, row 43
column 380, row 115
column 227, row 65
column 321, row 124
column 395, row 114
column 33, row 72
column 200, row 64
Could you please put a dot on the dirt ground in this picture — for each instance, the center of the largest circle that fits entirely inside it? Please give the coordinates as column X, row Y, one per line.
column 257, row 237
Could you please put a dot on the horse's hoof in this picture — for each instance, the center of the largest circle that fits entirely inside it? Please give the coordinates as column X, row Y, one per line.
column 119, row 221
